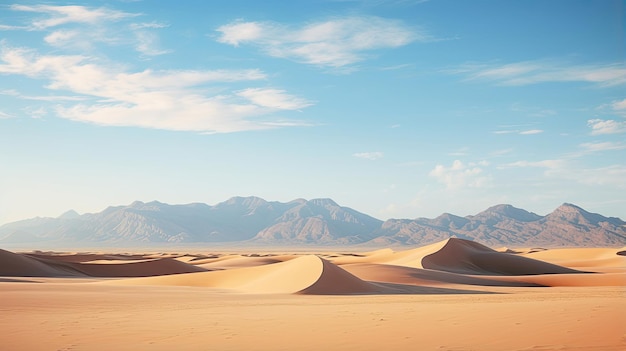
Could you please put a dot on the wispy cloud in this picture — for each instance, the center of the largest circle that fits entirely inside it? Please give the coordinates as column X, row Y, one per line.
column 603, row 146
column 274, row 98
column 52, row 98
column 531, row 132
column 5, row 115
column 460, row 175
column 609, row 126
column 619, row 107
column 171, row 100
column 82, row 28
column 501, row 152
column 334, row 43
column 59, row 15
column 369, row 155
column 549, row 164
column 535, row 72
column 520, row 132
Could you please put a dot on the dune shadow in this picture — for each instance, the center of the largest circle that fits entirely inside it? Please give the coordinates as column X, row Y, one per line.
column 14, row 280
column 403, row 289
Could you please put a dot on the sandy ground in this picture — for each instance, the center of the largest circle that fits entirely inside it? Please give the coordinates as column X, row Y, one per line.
column 453, row 295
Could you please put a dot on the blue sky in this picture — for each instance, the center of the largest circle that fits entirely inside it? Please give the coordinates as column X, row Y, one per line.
column 399, row 109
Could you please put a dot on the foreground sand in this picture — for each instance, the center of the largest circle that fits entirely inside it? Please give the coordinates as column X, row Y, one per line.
column 453, row 295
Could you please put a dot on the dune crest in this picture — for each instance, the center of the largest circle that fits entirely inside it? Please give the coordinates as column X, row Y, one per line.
column 469, row 257
column 23, row 265
column 16, row 265
column 307, row 274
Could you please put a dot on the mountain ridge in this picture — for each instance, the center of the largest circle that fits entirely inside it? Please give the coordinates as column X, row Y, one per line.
column 253, row 220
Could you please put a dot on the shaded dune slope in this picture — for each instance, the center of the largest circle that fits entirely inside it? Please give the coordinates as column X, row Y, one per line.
column 21, row 265
column 303, row 275
column 155, row 267
column 385, row 273
column 16, row 265
column 469, row 257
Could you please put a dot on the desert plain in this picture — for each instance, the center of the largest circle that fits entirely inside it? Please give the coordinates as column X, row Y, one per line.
column 451, row 295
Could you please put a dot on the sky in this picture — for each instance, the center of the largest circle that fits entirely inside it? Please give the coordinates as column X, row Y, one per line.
column 398, row 109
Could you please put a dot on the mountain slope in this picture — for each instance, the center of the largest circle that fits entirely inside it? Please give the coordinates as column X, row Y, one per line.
column 252, row 220
column 499, row 225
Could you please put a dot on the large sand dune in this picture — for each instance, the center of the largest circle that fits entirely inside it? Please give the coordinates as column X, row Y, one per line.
column 451, row 295
column 307, row 274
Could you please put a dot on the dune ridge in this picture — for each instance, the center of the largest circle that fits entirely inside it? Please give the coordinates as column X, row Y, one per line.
column 453, row 261
column 19, row 265
column 469, row 257
column 308, row 274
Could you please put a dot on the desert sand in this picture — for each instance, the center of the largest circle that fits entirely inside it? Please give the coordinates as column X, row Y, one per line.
column 451, row 295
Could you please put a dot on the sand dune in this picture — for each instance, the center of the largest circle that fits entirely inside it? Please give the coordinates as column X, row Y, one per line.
column 144, row 268
column 239, row 262
column 451, row 295
column 459, row 256
column 420, row 277
column 464, row 256
column 21, row 265
column 16, row 265
column 588, row 259
column 307, row 274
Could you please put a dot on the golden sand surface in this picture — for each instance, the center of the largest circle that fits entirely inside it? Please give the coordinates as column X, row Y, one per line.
column 452, row 295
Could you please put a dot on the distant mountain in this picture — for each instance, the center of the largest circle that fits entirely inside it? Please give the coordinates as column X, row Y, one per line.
column 252, row 220
column 506, row 225
column 320, row 221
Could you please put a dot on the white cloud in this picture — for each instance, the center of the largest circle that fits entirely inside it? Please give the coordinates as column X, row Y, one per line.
column 57, row 98
column 172, row 100
column 5, row 115
column 60, row 15
column 334, row 43
column 600, row 126
column 274, row 98
column 619, row 105
column 144, row 25
column 530, row 132
column 603, row 146
column 238, row 32
column 89, row 26
column 148, row 43
column 549, row 164
column 534, row 72
column 459, row 175
column 9, row 27
column 61, row 37
column 369, row 155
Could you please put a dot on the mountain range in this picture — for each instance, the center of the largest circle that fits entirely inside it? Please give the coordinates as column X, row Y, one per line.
column 254, row 221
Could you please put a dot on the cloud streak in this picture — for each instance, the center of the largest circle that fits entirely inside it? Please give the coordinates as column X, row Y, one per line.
column 603, row 146
column 61, row 15
column 600, row 126
column 169, row 99
column 536, row 72
column 82, row 28
column 334, row 43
